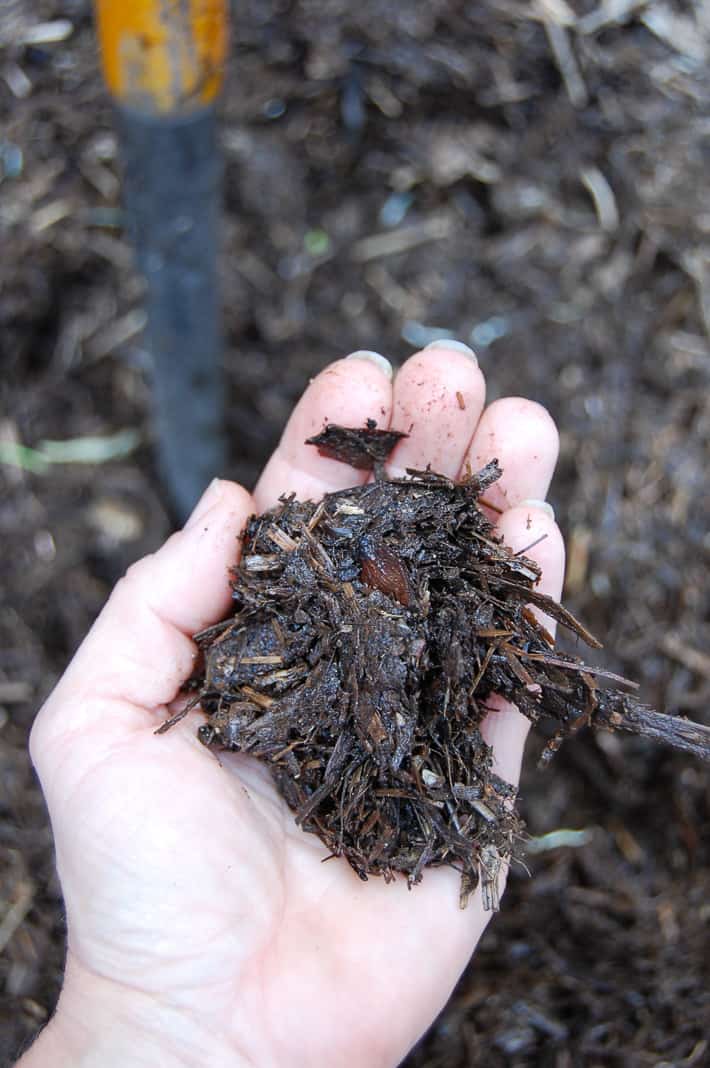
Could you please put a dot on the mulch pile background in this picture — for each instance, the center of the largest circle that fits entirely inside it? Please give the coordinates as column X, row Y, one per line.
column 528, row 178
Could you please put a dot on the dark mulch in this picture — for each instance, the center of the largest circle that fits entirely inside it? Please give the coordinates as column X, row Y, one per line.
column 393, row 172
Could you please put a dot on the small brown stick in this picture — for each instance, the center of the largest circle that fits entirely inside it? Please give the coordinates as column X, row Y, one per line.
column 178, row 715
column 489, row 504
column 679, row 650
column 571, row 665
column 672, row 730
column 281, row 538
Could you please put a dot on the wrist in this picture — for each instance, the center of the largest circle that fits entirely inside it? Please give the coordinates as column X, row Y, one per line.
column 102, row 1024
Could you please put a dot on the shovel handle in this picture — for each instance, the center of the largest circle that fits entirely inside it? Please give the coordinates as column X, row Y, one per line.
column 163, row 56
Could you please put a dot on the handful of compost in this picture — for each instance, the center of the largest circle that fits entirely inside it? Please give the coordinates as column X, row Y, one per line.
column 369, row 632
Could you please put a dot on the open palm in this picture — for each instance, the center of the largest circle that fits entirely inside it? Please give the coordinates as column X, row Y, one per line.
column 192, row 898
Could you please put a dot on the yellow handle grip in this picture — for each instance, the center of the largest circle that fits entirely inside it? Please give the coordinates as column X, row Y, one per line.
column 163, row 56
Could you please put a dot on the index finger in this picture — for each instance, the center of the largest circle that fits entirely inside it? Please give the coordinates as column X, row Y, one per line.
column 348, row 392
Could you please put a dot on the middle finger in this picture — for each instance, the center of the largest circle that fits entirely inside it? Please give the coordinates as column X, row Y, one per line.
column 438, row 398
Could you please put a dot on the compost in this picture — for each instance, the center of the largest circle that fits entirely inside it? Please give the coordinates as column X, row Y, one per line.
column 371, row 630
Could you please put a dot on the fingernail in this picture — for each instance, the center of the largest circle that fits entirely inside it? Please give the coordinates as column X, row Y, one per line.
column 208, row 499
column 373, row 357
column 544, row 506
column 453, row 346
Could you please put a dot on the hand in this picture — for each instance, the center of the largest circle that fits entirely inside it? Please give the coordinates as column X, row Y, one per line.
column 202, row 926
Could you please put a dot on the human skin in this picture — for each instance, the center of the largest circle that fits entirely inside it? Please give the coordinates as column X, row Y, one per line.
column 203, row 927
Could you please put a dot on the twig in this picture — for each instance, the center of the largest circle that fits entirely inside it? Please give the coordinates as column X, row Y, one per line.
column 672, row 730
column 435, row 228
column 603, row 196
column 16, row 913
column 567, row 64
column 680, row 32
column 609, row 13
column 694, row 659
column 12, row 693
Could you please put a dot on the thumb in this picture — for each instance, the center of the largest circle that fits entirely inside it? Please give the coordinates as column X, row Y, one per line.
column 139, row 651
